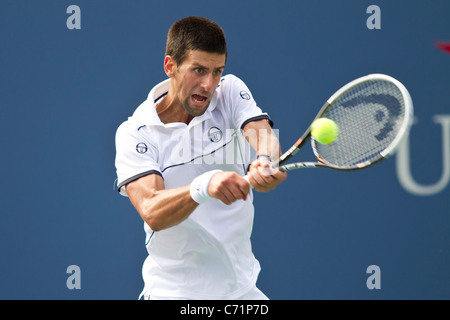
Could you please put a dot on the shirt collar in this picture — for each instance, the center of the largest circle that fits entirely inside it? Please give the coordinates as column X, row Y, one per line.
column 146, row 114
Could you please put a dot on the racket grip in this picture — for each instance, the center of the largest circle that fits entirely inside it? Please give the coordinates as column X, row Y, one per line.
column 276, row 167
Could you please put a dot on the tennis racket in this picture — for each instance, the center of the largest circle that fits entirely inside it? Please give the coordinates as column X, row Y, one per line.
column 374, row 113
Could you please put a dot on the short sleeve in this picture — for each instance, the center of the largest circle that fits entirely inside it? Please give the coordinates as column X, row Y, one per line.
column 243, row 107
column 136, row 157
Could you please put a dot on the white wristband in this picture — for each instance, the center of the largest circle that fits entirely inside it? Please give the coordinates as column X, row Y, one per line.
column 199, row 186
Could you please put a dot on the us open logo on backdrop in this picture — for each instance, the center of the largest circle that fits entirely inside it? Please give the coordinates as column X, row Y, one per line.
column 141, row 147
column 215, row 134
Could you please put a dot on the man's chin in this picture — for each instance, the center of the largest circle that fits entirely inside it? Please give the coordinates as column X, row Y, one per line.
column 197, row 111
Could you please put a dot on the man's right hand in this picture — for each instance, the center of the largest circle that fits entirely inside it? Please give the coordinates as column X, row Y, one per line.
column 228, row 187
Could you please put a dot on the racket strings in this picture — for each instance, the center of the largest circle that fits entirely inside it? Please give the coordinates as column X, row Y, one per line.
column 369, row 117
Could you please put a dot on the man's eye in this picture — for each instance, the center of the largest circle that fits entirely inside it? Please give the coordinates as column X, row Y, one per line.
column 217, row 72
column 198, row 70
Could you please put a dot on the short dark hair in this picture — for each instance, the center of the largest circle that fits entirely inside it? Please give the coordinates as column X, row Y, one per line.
column 194, row 33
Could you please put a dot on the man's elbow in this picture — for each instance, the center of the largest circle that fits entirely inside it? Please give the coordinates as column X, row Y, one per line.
column 152, row 220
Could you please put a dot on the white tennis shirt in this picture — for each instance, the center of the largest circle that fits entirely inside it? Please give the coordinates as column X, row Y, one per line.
column 209, row 255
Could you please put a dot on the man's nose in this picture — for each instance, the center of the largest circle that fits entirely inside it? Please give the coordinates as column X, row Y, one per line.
column 207, row 82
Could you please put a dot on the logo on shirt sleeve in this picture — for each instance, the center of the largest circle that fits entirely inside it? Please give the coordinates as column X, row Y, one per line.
column 245, row 95
column 141, row 147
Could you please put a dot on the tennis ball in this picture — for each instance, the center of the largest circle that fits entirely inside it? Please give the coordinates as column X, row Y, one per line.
column 324, row 131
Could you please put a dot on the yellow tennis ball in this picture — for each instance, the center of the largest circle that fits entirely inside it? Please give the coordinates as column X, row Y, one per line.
column 324, row 131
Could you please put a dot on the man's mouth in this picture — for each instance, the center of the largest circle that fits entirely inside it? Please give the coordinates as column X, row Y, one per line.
column 199, row 99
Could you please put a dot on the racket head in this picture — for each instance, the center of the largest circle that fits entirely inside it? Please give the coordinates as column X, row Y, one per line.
column 374, row 114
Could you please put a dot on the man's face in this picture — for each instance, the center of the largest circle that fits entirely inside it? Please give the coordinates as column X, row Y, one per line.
column 196, row 79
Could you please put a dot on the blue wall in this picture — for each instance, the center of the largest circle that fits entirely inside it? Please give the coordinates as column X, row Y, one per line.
column 64, row 92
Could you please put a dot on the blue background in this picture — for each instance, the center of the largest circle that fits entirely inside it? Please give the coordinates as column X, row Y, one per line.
column 64, row 92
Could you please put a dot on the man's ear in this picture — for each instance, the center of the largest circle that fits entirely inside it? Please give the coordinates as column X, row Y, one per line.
column 169, row 66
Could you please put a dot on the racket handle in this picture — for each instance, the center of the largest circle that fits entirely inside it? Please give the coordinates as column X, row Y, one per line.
column 272, row 166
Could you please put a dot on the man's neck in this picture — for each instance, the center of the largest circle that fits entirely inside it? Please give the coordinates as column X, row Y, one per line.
column 170, row 110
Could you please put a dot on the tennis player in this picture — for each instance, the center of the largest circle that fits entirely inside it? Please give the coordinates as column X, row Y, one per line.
column 181, row 158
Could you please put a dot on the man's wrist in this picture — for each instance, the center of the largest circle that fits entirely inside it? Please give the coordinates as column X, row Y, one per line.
column 265, row 156
column 199, row 187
